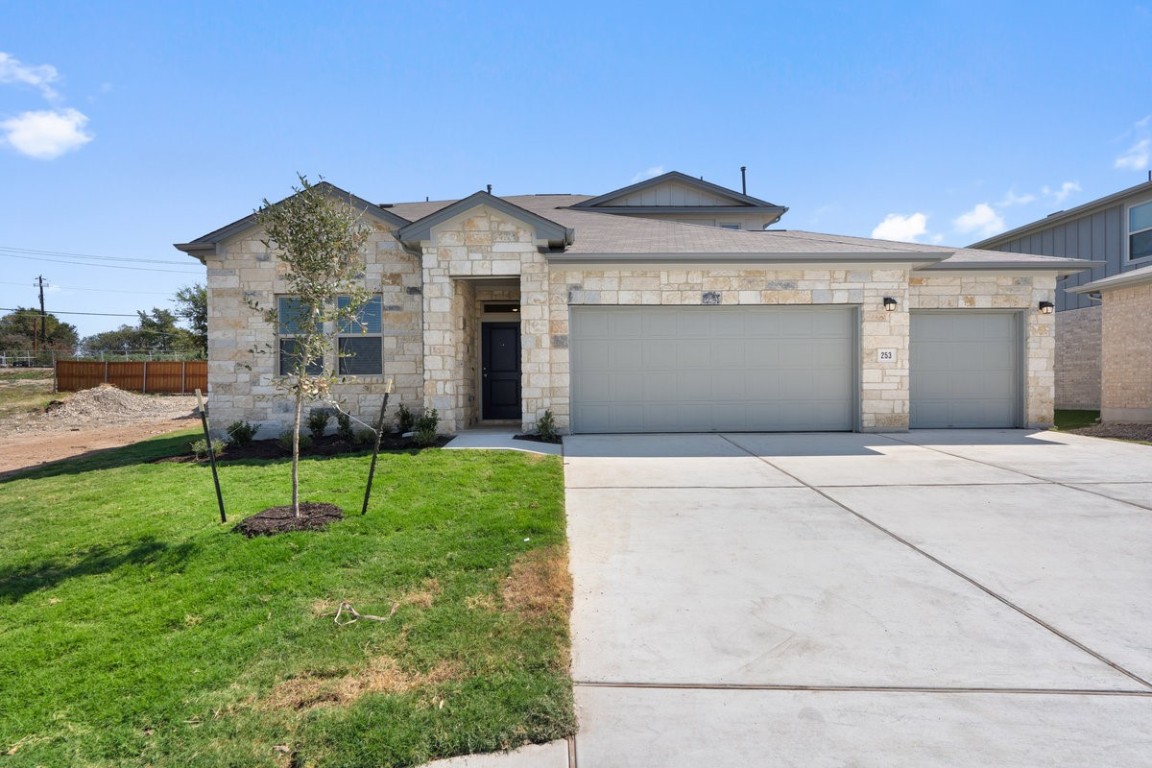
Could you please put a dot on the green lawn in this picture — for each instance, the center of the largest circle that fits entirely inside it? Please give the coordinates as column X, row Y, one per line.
column 137, row 630
column 1075, row 419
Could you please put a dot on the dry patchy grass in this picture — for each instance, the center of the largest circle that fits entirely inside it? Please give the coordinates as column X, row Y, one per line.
column 383, row 675
column 539, row 584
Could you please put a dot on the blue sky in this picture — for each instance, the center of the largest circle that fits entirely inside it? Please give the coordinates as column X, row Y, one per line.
column 126, row 127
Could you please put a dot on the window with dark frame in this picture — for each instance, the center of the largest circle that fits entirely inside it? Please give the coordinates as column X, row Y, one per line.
column 1140, row 231
column 291, row 314
column 359, row 343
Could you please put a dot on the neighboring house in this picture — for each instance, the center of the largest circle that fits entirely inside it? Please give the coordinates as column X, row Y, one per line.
column 1115, row 233
column 1126, row 345
column 664, row 306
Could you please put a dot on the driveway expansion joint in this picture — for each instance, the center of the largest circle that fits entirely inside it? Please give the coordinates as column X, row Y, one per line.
column 1137, row 693
column 956, row 572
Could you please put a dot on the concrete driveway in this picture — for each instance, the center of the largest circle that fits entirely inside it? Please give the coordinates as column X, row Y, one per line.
column 935, row 598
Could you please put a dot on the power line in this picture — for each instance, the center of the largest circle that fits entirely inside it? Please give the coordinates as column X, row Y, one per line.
column 94, row 290
column 15, row 250
column 105, row 266
column 54, row 312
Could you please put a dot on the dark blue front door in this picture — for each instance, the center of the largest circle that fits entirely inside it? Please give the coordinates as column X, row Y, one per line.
column 500, row 360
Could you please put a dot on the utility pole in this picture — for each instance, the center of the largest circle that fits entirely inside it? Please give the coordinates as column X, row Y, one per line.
column 43, row 316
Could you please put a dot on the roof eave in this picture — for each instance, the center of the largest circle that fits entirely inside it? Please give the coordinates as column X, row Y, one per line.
column 1123, row 280
column 1061, row 266
column 803, row 259
column 989, row 244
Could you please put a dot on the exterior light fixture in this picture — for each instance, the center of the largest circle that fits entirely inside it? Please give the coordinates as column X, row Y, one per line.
column 1046, row 307
column 889, row 304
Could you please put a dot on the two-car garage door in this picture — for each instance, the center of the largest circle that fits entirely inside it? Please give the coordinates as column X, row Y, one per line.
column 780, row 369
column 712, row 368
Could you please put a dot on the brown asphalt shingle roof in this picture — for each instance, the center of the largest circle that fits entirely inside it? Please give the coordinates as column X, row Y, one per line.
column 608, row 234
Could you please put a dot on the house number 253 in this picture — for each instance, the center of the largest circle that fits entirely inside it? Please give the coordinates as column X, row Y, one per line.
column 885, row 355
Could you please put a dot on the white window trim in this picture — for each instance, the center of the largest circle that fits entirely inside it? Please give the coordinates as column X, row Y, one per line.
column 1128, row 234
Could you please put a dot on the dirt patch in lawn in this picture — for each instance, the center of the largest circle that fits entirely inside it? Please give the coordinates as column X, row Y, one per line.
column 383, row 675
column 91, row 420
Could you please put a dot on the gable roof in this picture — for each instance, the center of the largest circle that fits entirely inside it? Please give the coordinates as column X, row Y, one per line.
column 206, row 244
column 1060, row 217
column 734, row 202
column 556, row 235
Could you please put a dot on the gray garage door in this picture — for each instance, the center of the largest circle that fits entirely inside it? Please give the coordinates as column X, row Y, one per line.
column 965, row 369
column 704, row 369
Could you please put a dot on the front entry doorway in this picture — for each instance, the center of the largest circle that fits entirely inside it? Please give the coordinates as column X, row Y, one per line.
column 500, row 375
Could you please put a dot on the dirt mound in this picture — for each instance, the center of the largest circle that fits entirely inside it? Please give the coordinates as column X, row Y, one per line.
column 107, row 404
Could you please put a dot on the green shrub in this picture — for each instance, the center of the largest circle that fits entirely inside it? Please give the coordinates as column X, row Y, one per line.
column 344, row 426
column 318, row 422
column 200, row 448
column 285, row 440
column 365, row 436
column 242, row 432
column 405, row 421
column 425, row 428
column 546, row 427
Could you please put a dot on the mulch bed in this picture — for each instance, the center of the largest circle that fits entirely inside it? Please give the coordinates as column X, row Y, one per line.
column 537, row 439
column 314, row 516
column 329, row 445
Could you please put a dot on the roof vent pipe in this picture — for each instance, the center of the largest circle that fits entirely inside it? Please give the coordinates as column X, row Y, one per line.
column 743, row 180
column 489, row 189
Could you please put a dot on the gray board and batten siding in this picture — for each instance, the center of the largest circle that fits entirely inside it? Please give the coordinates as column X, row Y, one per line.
column 1095, row 231
column 712, row 368
column 1098, row 236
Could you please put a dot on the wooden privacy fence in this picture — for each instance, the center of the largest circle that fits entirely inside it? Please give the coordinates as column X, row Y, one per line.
column 147, row 377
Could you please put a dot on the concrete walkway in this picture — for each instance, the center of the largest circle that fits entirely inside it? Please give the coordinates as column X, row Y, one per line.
column 952, row 598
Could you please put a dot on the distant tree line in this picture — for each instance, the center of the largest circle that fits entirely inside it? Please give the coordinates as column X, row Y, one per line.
column 156, row 332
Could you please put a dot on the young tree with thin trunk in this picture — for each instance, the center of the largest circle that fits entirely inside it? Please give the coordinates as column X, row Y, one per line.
column 318, row 235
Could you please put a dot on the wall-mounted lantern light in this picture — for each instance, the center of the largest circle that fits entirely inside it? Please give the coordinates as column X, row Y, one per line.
column 889, row 304
column 1046, row 307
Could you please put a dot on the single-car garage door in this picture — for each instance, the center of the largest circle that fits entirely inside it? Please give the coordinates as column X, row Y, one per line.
column 965, row 369
column 708, row 368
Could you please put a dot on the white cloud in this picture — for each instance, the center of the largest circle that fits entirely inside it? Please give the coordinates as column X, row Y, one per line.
column 1012, row 199
column 12, row 71
column 1063, row 193
column 899, row 227
column 652, row 172
column 982, row 219
column 1136, row 158
column 47, row 134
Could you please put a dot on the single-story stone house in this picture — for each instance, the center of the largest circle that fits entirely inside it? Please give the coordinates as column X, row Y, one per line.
column 671, row 305
column 1125, row 345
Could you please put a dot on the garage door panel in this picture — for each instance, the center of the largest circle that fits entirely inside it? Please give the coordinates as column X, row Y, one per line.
column 965, row 370
column 728, row 368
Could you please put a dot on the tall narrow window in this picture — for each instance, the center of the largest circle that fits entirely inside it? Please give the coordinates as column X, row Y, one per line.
column 292, row 315
column 360, row 341
column 1140, row 231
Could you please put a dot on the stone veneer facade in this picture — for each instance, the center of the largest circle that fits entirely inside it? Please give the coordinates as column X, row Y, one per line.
column 1078, row 343
column 1126, row 390
column 434, row 310
column 242, row 347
